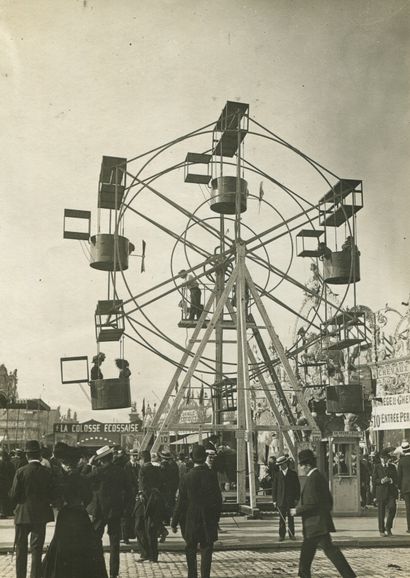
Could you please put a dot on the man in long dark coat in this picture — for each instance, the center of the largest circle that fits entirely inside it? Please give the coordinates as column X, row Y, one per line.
column 132, row 470
column 149, row 511
column 285, row 495
column 197, row 510
column 315, row 507
column 403, row 472
column 7, row 472
column 385, row 483
column 111, row 491
column 170, row 479
column 32, row 494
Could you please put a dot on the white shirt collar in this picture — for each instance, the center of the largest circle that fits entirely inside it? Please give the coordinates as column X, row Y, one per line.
column 284, row 471
column 310, row 471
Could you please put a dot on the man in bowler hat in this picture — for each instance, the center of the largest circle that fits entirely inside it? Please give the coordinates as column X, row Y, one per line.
column 285, row 495
column 315, row 507
column 32, row 494
column 197, row 510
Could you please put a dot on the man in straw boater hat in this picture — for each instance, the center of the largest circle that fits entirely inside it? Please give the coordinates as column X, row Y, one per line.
column 197, row 511
column 315, row 506
column 32, row 494
column 111, row 491
column 403, row 472
column 285, row 495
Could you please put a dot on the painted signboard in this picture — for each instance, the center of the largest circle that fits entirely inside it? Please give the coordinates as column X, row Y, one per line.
column 393, row 376
column 97, row 427
column 392, row 412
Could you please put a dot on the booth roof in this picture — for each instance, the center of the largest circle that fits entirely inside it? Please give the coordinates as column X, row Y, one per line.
column 191, row 438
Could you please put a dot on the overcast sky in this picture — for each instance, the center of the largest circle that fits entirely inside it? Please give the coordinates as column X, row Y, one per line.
column 82, row 79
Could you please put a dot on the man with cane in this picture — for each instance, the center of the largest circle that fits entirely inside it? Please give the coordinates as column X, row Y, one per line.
column 315, row 507
column 285, row 495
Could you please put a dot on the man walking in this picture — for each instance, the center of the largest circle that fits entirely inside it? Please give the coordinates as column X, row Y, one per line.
column 315, row 507
column 285, row 495
column 385, row 482
column 403, row 473
column 7, row 472
column 111, row 491
column 170, row 482
column 131, row 469
column 197, row 511
column 149, row 510
column 32, row 493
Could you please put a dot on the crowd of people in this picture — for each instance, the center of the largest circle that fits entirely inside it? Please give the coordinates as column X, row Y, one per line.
column 143, row 495
column 384, row 477
column 130, row 496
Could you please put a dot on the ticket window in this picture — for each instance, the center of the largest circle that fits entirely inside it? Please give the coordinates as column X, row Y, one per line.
column 344, row 460
column 344, row 476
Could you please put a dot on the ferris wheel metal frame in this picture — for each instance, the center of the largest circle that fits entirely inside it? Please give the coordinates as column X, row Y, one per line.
column 229, row 268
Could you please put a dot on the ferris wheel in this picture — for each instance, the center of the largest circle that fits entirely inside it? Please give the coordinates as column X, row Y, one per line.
column 230, row 218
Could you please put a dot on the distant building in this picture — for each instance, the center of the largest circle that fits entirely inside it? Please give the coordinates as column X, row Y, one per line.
column 23, row 419
column 27, row 419
column 8, row 385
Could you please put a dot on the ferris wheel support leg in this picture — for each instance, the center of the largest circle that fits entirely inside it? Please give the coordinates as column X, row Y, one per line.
column 154, row 424
column 244, row 425
column 169, row 420
column 284, row 428
column 269, row 397
column 281, row 354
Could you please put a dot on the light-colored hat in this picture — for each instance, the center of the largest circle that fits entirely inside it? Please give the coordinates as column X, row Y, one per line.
column 154, row 457
column 405, row 446
column 102, row 452
column 281, row 460
column 165, row 455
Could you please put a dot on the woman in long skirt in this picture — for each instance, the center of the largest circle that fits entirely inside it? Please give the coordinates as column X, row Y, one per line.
column 75, row 551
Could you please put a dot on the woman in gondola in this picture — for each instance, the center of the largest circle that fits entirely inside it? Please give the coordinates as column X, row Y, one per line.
column 75, row 551
column 96, row 368
column 124, row 368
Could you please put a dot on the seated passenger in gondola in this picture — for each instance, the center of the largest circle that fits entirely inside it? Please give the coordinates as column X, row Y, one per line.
column 95, row 370
column 123, row 366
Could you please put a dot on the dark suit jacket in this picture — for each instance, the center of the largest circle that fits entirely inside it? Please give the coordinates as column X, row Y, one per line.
column 385, row 491
column 150, row 477
column 133, row 472
column 286, row 489
column 7, row 472
column 111, row 490
column 403, row 474
column 32, row 494
column 315, row 505
column 199, row 505
column 170, row 477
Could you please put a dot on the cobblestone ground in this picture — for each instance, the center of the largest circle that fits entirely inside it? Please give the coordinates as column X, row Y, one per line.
column 367, row 563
